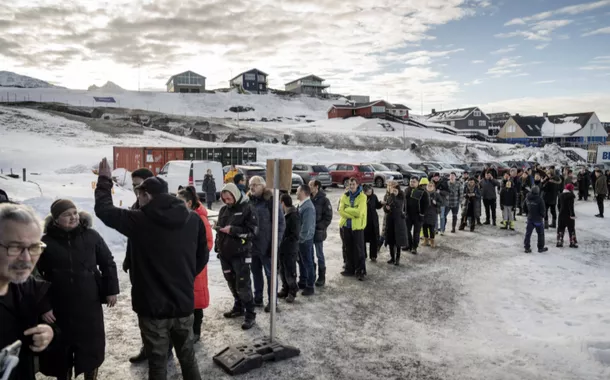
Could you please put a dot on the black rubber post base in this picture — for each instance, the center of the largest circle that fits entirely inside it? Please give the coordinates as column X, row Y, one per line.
column 236, row 360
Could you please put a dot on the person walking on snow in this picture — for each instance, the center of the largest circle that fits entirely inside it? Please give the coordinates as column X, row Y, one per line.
column 395, row 226
column 307, row 214
column 371, row 232
column 601, row 191
column 550, row 190
column 567, row 216
column 416, row 204
column 353, row 211
column 289, row 250
column 202, row 294
column 584, row 182
column 453, row 201
column 488, row 193
column 472, row 205
column 526, row 184
column 442, row 188
column 236, row 229
column 431, row 215
column 324, row 216
column 508, row 204
column 535, row 220
column 209, row 188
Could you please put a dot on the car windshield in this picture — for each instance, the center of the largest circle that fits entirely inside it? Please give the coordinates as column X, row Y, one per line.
column 405, row 167
column 445, row 166
column 433, row 165
column 365, row 169
column 380, row 167
column 319, row 168
column 253, row 172
column 500, row 164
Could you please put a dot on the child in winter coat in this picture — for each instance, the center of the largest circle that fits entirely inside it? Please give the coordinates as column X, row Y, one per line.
column 431, row 215
column 567, row 217
column 508, row 204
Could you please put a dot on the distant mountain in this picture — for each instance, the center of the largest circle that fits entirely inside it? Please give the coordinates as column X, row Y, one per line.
column 108, row 87
column 10, row 79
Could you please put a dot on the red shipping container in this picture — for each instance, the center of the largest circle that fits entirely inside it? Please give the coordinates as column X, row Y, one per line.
column 132, row 158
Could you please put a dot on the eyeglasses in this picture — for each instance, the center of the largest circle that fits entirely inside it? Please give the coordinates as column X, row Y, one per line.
column 33, row 250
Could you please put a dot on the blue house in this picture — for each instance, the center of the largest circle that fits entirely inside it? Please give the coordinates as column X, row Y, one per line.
column 253, row 81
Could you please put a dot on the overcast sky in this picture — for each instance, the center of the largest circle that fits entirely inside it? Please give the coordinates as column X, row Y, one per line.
column 527, row 56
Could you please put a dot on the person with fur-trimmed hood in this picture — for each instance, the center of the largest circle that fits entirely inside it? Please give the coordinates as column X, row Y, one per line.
column 83, row 276
column 567, row 216
column 471, row 208
column 395, row 226
column 353, row 211
column 371, row 231
column 432, row 211
column 508, row 204
column 416, row 204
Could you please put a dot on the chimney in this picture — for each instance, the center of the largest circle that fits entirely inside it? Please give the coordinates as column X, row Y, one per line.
column 517, row 114
column 433, row 110
column 546, row 114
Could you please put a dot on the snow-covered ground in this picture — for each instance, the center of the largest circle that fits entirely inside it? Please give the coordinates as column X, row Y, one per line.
column 477, row 307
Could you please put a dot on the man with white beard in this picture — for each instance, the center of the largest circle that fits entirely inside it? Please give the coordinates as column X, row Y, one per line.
column 22, row 298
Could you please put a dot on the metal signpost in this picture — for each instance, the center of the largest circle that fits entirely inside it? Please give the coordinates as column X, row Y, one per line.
column 236, row 360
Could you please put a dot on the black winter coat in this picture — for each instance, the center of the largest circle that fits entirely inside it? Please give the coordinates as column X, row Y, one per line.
column 371, row 231
column 209, row 187
column 261, row 245
column 508, row 197
column 169, row 249
column 290, row 240
column 536, row 209
column 395, row 227
column 20, row 310
column 244, row 227
column 70, row 263
column 416, row 203
column 566, row 206
column 434, row 208
column 127, row 260
column 324, row 215
column 550, row 190
column 584, row 181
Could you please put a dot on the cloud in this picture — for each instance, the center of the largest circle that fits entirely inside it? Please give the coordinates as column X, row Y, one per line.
column 545, row 81
column 605, row 30
column 509, row 65
column 569, row 10
column 216, row 37
column 505, row 50
column 595, row 67
column 520, row 75
column 473, row 83
column 542, row 46
column 477, row 61
column 539, row 31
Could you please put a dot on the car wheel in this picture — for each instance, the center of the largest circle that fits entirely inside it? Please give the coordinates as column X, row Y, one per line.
column 346, row 183
column 379, row 182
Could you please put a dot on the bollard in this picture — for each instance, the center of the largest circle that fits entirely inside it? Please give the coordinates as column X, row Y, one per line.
column 24, row 175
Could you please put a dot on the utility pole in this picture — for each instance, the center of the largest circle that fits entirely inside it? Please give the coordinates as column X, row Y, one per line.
column 138, row 77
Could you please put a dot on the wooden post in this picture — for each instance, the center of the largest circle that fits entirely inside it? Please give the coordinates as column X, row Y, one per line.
column 285, row 182
column 24, row 175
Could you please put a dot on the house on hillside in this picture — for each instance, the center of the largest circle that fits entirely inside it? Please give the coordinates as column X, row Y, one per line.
column 187, row 81
column 310, row 85
column 253, row 81
column 399, row 110
column 566, row 130
column 359, row 98
column 375, row 109
column 496, row 121
column 468, row 122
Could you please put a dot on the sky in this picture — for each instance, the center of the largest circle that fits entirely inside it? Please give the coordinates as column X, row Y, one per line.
column 526, row 56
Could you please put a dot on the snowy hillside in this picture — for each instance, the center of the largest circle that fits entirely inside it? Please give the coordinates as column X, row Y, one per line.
column 10, row 79
column 109, row 87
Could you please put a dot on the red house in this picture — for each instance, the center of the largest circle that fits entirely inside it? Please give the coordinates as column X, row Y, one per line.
column 377, row 109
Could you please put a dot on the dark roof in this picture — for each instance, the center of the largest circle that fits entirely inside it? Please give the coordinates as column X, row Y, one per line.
column 530, row 125
column 357, row 105
column 249, row 71
column 578, row 118
column 499, row 115
column 305, row 77
column 188, row 71
column 455, row 114
column 400, row 107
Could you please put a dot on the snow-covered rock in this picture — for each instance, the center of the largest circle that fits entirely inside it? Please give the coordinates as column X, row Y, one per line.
column 10, row 79
column 108, row 87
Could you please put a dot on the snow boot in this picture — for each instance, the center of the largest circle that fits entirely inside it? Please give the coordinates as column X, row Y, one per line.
column 234, row 314
column 472, row 227
column 139, row 358
column 290, row 298
column 259, row 302
column 426, row 242
column 573, row 241
column 432, row 243
column 528, row 250
column 542, row 250
column 308, row 292
column 321, row 278
column 414, row 251
column 504, row 225
column 493, row 223
column 249, row 322
column 512, row 225
column 268, row 308
column 486, row 222
column 392, row 255
column 573, row 245
column 559, row 240
column 462, row 227
column 599, row 216
column 479, row 222
column 283, row 293
column 397, row 262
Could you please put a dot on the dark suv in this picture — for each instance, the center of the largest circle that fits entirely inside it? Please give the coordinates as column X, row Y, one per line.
column 406, row 171
column 313, row 172
column 341, row 173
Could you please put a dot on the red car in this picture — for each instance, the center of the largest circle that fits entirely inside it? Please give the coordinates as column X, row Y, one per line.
column 341, row 173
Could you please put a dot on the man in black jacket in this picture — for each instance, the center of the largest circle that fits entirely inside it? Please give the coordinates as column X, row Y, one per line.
column 535, row 216
column 22, row 298
column 567, row 216
column 584, row 183
column 289, row 250
column 551, row 186
column 237, row 228
column 324, row 216
column 169, row 248
column 489, row 195
column 416, row 204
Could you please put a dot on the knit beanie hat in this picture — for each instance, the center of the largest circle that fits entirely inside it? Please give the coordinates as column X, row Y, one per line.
column 570, row 187
column 238, row 178
column 154, row 186
column 60, row 206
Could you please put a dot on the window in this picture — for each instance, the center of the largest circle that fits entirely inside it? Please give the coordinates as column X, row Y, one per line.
column 378, row 109
column 477, row 113
column 452, row 123
column 482, row 123
column 332, row 167
column 250, row 77
column 365, row 169
column 165, row 169
column 471, row 123
column 261, row 78
column 511, row 129
column 260, row 86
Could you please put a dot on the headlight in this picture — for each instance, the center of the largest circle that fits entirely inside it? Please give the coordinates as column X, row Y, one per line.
column 389, row 177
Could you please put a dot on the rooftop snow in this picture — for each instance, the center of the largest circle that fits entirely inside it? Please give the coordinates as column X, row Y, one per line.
column 560, row 129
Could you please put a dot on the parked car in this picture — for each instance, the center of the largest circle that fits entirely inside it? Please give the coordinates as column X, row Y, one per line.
column 427, row 167
column 517, row 164
column 464, row 167
column 248, row 171
column 406, row 171
column 384, row 174
column 479, row 167
column 445, row 169
column 341, row 173
column 296, row 179
column 309, row 172
column 179, row 174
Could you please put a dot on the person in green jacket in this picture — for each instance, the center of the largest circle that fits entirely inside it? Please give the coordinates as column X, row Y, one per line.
column 353, row 211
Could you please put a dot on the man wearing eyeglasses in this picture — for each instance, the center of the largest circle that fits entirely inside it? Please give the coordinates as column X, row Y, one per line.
column 22, row 298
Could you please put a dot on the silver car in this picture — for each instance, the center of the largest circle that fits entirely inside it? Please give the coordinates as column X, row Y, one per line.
column 383, row 174
column 312, row 172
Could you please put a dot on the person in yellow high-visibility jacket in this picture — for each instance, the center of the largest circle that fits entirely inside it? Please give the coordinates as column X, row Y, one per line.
column 231, row 174
column 353, row 211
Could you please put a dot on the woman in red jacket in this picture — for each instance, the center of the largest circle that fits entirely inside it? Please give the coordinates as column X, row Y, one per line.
column 202, row 294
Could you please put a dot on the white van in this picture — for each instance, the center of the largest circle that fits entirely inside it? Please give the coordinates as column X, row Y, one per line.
column 180, row 174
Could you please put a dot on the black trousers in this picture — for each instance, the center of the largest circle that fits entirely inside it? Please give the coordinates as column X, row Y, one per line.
column 583, row 194
column 570, row 224
column 373, row 249
column 237, row 274
column 353, row 241
column 539, row 227
column 197, row 321
column 288, row 272
column 490, row 205
column 600, row 204
column 157, row 334
column 413, row 231
column 394, row 253
column 553, row 209
column 429, row 231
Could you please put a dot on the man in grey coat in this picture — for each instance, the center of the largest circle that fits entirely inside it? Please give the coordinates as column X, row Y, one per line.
column 307, row 212
column 489, row 195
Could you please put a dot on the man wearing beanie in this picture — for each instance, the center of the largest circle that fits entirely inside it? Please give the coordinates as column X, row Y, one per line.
column 236, row 229
column 60, row 206
column 240, row 181
column 168, row 250
column 535, row 220
column 567, row 217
